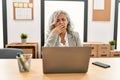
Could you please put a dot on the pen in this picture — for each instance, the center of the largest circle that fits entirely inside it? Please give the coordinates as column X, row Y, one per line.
column 24, row 63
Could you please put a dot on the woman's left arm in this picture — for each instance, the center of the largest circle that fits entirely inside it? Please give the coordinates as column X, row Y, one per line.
column 78, row 41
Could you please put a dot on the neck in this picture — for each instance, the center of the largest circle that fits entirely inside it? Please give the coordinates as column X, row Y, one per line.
column 62, row 36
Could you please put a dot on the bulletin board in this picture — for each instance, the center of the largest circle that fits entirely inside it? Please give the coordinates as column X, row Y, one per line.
column 23, row 10
column 102, row 14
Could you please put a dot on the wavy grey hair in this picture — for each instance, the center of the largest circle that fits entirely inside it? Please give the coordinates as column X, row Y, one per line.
column 53, row 20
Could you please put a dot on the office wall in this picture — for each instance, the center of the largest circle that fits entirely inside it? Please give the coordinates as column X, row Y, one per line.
column 15, row 28
column 118, row 28
column 100, row 31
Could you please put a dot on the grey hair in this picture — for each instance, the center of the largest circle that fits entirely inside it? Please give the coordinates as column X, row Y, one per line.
column 53, row 20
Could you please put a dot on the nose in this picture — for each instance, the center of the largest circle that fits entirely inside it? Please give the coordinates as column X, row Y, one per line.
column 61, row 21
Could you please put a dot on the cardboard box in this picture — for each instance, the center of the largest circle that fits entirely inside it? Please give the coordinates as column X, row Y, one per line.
column 103, row 47
column 94, row 54
column 100, row 49
column 115, row 53
column 93, row 45
column 104, row 53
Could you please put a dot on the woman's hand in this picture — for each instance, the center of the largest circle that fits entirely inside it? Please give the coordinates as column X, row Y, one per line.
column 59, row 29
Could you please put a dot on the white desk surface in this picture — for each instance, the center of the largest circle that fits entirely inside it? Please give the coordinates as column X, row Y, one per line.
column 9, row 71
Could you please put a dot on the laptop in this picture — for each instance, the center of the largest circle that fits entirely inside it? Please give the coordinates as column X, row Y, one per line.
column 66, row 59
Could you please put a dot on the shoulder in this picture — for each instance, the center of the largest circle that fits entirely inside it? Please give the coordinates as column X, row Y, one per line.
column 75, row 33
column 51, row 35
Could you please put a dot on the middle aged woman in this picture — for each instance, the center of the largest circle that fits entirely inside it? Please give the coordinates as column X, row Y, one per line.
column 60, row 32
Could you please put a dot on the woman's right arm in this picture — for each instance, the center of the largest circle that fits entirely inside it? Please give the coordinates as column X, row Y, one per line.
column 51, row 40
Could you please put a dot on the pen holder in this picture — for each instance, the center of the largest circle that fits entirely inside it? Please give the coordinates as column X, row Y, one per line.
column 24, row 62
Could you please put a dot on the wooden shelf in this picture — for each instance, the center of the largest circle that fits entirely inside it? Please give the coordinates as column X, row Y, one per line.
column 26, row 47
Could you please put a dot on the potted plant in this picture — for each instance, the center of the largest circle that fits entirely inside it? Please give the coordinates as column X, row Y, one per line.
column 112, row 44
column 23, row 37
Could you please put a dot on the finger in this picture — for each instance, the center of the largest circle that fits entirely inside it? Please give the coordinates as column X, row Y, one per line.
column 59, row 30
column 63, row 28
column 59, row 26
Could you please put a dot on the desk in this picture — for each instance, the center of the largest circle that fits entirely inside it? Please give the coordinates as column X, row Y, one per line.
column 11, row 72
column 26, row 47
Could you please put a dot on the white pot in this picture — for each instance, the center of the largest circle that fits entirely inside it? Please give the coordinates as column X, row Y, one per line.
column 112, row 47
column 23, row 40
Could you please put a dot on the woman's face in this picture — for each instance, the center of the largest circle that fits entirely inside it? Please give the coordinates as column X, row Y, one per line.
column 61, row 20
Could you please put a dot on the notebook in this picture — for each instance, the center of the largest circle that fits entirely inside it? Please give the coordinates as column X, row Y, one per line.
column 66, row 59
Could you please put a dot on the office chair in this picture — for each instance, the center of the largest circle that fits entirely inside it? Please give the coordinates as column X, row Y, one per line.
column 9, row 53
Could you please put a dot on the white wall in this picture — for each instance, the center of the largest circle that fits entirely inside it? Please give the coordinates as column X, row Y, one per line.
column 32, row 28
column 118, row 30
column 100, row 31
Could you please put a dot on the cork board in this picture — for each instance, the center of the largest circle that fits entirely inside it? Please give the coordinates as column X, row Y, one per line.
column 102, row 15
column 23, row 10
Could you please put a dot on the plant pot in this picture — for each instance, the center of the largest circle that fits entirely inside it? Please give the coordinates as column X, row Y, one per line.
column 23, row 40
column 112, row 47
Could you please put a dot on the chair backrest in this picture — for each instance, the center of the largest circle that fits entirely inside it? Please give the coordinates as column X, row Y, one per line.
column 9, row 53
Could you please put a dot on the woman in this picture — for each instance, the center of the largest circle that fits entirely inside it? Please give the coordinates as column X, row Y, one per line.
column 61, row 33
